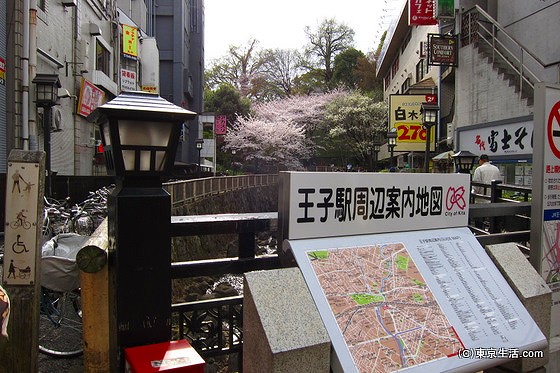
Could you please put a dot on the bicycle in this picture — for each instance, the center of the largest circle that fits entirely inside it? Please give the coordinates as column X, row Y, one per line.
column 60, row 324
column 66, row 228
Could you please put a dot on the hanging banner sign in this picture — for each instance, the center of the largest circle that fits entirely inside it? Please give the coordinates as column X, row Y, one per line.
column 2, row 71
column 421, row 13
column 442, row 50
column 130, row 40
column 90, row 98
column 220, row 125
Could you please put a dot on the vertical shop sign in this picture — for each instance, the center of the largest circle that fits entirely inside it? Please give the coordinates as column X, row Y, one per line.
column 545, row 209
column 421, row 13
column 220, row 125
column 2, row 71
column 130, row 40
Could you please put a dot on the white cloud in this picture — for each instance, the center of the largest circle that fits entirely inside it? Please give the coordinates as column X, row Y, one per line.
column 281, row 24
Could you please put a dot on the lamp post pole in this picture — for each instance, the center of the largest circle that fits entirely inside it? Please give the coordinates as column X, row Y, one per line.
column 429, row 119
column 140, row 133
column 199, row 143
column 46, row 96
column 391, row 143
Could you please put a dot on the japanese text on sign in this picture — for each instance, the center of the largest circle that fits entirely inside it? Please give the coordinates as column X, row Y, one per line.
column 329, row 204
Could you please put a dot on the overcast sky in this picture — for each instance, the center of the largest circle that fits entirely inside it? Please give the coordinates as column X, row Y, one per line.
column 281, row 24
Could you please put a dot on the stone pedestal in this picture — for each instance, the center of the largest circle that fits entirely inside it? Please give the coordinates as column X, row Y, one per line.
column 282, row 329
column 533, row 292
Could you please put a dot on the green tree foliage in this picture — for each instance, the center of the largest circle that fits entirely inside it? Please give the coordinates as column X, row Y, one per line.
column 325, row 43
column 226, row 100
column 345, row 68
column 354, row 121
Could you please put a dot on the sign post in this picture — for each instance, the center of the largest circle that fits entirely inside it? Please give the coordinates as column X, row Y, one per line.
column 24, row 196
column 398, row 278
column 545, row 209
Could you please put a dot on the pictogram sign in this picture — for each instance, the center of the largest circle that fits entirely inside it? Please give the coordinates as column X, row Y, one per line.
column 553, row 129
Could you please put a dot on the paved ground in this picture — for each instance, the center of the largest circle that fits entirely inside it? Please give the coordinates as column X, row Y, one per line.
column 49, row 364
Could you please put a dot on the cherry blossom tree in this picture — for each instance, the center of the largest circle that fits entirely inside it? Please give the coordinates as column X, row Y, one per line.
column 281, row 132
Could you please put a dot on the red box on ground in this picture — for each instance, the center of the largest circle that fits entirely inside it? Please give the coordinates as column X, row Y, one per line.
column 174, row 356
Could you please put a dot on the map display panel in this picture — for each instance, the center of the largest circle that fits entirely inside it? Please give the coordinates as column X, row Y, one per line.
column 414, row 301
column 383, row 307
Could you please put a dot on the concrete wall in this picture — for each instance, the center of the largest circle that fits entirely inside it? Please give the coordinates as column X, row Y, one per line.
column 482, row 95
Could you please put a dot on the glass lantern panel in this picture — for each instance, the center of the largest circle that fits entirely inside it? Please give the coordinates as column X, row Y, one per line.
column 145, row 157
column 105, row 133
column 144, row 133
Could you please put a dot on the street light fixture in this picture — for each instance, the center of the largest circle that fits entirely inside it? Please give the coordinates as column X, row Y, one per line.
column 46, row 96
column 376, row 147
column 464, row 161
column 429, row 119
column 140, row 134
column 392, row 142
column 199, row 143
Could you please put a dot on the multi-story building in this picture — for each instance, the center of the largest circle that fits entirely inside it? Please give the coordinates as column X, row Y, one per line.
column 486, row 98
column 94, row 49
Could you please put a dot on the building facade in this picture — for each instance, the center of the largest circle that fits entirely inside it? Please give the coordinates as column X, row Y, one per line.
column 96, row 49
column 486, row 98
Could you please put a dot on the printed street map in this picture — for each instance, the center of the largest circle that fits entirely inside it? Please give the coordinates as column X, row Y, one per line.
column 384, row 309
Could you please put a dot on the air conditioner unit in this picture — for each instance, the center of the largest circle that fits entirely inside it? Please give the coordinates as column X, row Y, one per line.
column 94, row 29
column 56, row 124
column 69, row 3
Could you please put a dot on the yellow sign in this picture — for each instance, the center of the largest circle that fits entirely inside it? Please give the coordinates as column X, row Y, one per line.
column 405, row 115
column 130, row 40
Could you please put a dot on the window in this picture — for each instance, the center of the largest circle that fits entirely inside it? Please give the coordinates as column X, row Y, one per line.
column 387, row 80
column 420, row 70
column 42, row 4
column 406, row 41
column 405, row 85
column 102, row 58
column 395, row 67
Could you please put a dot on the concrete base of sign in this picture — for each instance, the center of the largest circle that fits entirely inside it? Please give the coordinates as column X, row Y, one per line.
column 531, row 290
column 282, row 329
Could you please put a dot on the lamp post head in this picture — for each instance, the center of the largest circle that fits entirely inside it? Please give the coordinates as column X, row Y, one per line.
column 429, row 114
column 464, row 161
column 199, row 143
column 46, row 92
column 392, row 137
column 140, row 132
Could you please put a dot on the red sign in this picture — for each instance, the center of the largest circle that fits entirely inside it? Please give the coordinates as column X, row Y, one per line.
column 553, row 129
column 421, row 13
column 220, row 125
column 90, row 98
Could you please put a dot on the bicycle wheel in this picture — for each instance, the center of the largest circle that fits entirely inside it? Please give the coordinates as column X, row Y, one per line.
column 60, row 325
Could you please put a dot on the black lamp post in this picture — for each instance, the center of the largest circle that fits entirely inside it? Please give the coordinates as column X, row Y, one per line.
column 376, row 146
column 429, row 119
column 464, row 161
column 199, row 143
column 392, row 142
column 140, row 133
column 46, row 95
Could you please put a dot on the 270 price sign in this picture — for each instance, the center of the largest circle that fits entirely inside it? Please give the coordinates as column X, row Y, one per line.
column 411, row 132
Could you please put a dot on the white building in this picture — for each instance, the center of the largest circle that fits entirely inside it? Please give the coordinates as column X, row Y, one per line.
column 484, row 107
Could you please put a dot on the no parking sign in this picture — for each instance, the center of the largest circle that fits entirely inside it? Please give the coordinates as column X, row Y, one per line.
column 545, row 212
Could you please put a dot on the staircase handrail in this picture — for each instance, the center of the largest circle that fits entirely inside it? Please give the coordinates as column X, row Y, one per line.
column 505, row 32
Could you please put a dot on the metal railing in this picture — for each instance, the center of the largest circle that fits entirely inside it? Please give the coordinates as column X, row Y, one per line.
column 479, row 28
column 185, row 192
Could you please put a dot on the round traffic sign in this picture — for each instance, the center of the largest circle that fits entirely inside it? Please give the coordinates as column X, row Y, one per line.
column 553, row 129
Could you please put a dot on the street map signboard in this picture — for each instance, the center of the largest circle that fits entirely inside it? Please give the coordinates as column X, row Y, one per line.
column 400, row 282
column 320, row 204
column 545, row 209
column 419, row 301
